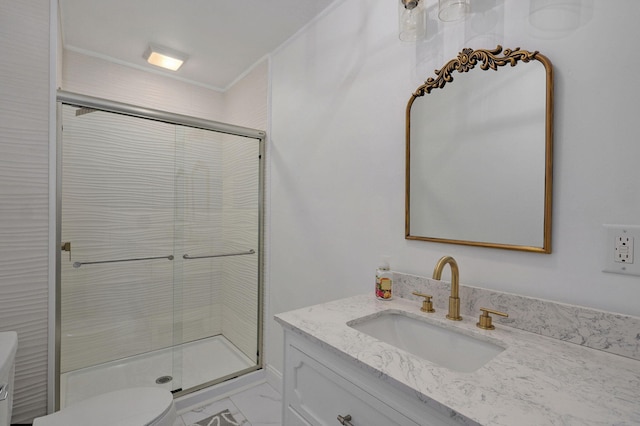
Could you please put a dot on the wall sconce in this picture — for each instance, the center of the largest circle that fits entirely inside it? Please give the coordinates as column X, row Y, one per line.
column 412, row 22
column 164, row 57
column 452, row 10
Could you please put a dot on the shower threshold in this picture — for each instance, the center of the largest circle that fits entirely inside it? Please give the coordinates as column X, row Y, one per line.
column 181, row 367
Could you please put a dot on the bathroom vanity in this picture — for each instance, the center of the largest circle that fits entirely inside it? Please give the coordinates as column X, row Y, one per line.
column 336, row 372
column 322, row 388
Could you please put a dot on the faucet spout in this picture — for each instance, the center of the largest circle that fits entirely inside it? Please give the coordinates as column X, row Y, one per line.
column 454, row 298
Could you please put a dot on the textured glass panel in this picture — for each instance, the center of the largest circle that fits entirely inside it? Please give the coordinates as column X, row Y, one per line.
column 117, row 204
column 218, row 189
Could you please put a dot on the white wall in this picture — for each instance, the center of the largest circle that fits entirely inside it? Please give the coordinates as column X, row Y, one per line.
column 339, row 92
column 245, row 103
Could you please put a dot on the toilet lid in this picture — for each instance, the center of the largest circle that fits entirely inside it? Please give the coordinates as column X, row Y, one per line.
column 127, row 407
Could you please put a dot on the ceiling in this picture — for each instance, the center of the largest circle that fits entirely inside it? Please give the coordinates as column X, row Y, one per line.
column 223, row 38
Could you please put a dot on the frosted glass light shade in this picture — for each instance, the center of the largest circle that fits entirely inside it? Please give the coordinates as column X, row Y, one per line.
column 556, row 15
column 164, row 57
column 411, row 20
column 452, row 10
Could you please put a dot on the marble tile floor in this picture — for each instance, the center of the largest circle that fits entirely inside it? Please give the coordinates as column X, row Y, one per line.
column 256, row 406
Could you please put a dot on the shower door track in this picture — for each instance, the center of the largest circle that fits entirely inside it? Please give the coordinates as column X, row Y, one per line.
column 90, row 103
column 153, row 114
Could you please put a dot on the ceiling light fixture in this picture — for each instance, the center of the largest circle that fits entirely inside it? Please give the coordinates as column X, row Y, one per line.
column 164, row 57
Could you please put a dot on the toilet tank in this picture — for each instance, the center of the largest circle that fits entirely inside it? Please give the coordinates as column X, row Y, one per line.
column 8, row 347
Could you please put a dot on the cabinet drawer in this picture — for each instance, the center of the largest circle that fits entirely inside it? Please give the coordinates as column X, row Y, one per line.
column 318, row 395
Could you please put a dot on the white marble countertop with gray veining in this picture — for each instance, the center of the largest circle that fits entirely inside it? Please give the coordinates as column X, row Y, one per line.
column 536, row 380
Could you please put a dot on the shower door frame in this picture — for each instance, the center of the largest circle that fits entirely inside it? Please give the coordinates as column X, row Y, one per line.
column 64, row 97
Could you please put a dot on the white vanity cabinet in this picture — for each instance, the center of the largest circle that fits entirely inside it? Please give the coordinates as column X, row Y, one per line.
column 319, row 386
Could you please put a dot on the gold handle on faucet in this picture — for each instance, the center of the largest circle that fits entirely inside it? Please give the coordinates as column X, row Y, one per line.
column 485, row 320
column 427, row 305
column 345, row 420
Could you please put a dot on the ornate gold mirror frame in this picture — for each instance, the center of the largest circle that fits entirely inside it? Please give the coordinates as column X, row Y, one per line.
column 466, row 60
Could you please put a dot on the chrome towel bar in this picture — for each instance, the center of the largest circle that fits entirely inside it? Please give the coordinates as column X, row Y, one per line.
column 170, row 257
column 186, row 256
column 79, row 264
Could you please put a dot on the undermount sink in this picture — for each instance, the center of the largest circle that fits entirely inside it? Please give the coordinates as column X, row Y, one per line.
column 442, row 346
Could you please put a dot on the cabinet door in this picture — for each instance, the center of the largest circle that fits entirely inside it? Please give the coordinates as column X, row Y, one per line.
column 292, row 418
column 318, row 395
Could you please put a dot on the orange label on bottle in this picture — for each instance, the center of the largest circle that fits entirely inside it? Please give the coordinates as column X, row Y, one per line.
column 385, row 284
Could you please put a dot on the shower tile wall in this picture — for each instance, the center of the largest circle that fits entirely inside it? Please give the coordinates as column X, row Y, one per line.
column 24, row 146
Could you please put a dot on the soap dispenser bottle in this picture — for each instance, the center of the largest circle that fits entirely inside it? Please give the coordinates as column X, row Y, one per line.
column 384, row 281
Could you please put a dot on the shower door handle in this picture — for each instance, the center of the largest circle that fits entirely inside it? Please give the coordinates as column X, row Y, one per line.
column 66, row 246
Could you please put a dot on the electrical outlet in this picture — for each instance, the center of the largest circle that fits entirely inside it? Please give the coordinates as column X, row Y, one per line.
column 624, row 249
column 618, row 247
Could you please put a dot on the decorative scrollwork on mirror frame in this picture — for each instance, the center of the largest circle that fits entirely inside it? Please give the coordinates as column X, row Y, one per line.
column 468, row 58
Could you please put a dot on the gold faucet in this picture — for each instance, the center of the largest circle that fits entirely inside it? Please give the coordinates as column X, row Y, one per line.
column 454, row 299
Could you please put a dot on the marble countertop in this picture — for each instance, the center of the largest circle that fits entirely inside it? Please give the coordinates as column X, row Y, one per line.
column 536, row 380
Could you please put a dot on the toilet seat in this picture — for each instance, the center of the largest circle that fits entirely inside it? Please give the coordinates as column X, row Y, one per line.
column 128, row 407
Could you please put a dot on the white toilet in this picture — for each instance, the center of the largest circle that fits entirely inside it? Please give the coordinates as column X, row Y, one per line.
column 144, row 406
column 8, row 348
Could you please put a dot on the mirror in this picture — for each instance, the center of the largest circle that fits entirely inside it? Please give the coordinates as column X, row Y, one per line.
column 479, row 152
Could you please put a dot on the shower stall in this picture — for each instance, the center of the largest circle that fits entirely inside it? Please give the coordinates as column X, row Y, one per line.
column 159, row 277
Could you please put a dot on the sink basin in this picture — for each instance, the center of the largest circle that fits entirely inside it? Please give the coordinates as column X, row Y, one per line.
column 442, row 346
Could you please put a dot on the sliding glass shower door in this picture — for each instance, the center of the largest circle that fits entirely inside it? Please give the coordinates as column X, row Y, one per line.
column 217, row 218
column 159, row 267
